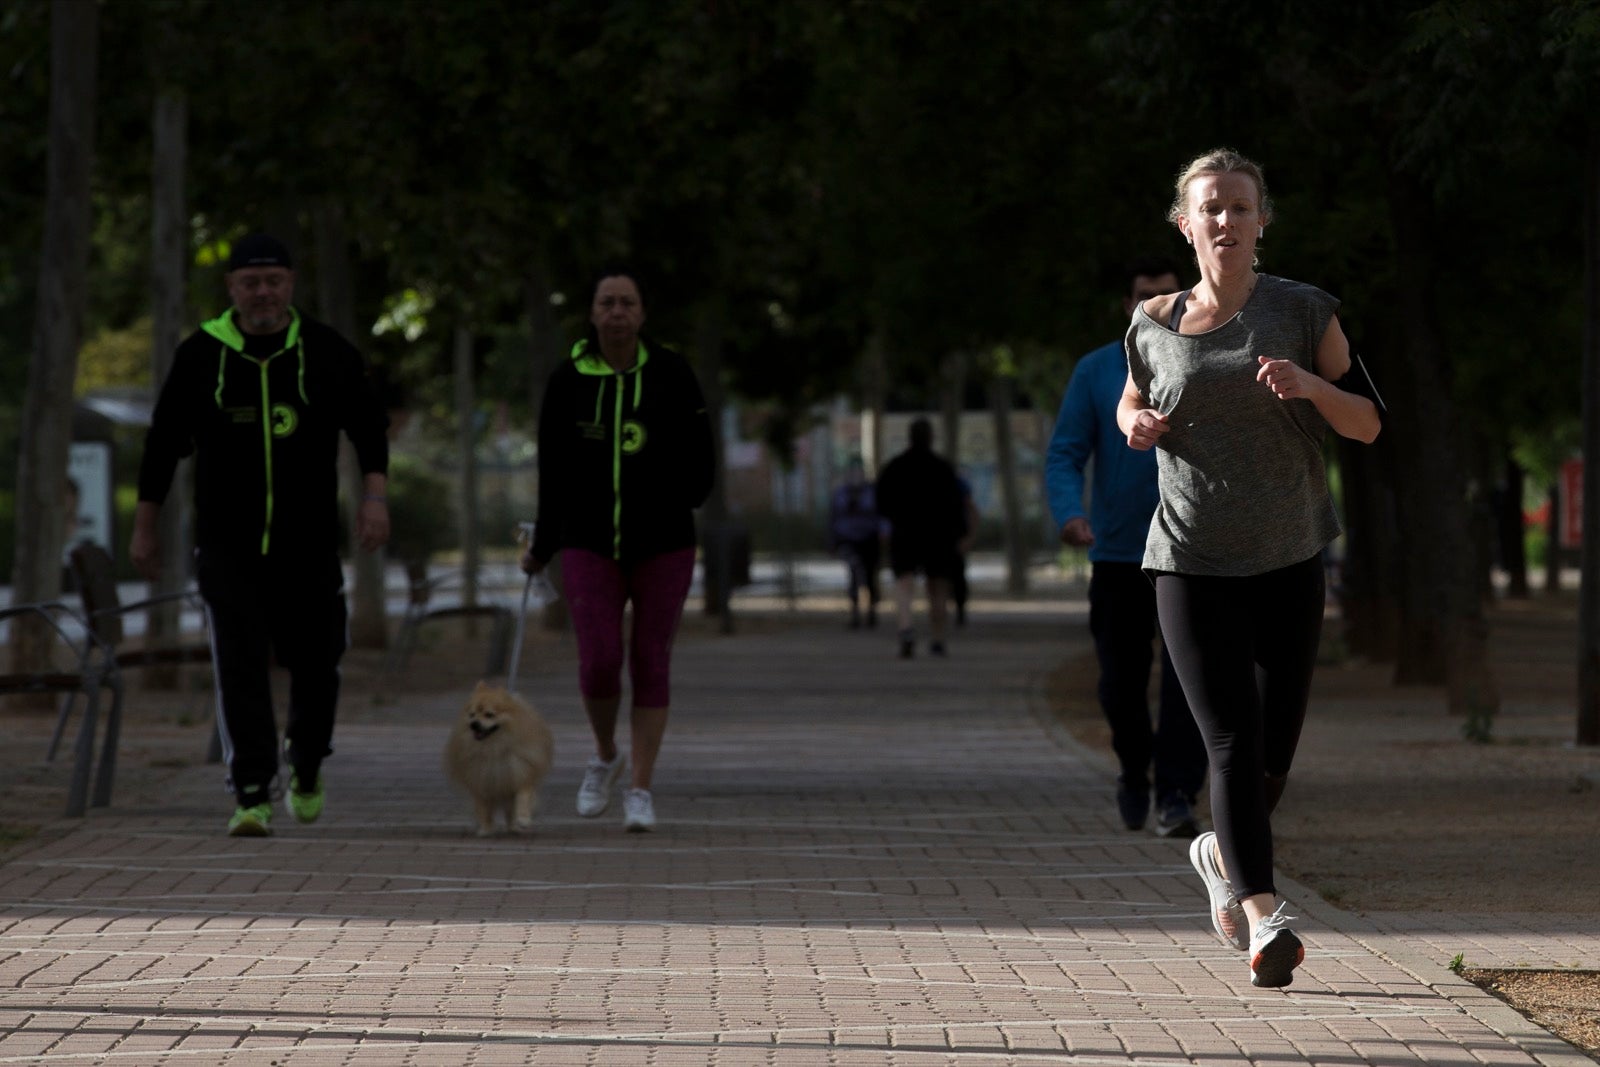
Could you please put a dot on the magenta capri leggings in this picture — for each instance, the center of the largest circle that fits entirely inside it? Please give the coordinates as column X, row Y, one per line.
column 597, row 590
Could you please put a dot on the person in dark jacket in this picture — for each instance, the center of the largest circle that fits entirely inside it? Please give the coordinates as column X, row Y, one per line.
column 625, row 456
column 259, row 395
column 920, row 497
column 854, row 536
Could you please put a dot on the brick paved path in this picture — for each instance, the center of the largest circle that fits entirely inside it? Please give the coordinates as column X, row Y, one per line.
column 860, row 861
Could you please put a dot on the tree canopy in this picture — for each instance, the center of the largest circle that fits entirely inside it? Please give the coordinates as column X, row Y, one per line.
column 956, row 175
column 933, row 175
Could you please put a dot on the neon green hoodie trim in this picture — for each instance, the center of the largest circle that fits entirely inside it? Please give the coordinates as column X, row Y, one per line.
column 594, row 365
column 224, row 329
column 616, row 476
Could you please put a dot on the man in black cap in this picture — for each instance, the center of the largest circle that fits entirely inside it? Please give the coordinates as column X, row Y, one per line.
column 259, row 395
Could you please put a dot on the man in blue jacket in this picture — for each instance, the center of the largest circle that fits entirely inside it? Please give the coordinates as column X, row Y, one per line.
column 1122, row 603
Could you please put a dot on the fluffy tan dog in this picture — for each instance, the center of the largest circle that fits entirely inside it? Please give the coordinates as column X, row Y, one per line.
column 499, row 751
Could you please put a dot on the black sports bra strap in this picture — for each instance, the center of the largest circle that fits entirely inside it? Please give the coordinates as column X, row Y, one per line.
column 1177, row 310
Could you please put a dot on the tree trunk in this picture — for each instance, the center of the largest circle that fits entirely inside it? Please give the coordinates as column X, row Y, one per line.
column 1509, row 531
column 169, row 257
column 710, row 333
column 544, row 336
column 1049, row 533
column 1552, row 539
column 466, row 440
column 1010, row 501
column 711, row 330
column 544, row 355
column 369, row 622
column 1589, row 561
column 1444, row 632
column 874, row 403
column 952, row 399
column 1368, row 575
column 282, row 220
column 46, row 431
column 1481, row 507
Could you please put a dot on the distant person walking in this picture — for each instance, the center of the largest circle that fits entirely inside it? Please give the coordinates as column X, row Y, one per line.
column 919, row 496
column 1235, row 383
column 1122, row 600
column 625, row 456
column 259, row 395
column 854, row 536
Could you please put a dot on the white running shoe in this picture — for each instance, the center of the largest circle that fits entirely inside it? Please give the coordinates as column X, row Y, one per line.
column 1227, row 915
column 599, row 778
column 638, row 811
column 1275, row 951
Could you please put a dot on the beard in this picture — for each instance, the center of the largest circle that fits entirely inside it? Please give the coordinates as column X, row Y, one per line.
column 264, row 319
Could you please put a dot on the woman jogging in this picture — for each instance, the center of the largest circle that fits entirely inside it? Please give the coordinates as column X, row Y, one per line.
column 1236, row 381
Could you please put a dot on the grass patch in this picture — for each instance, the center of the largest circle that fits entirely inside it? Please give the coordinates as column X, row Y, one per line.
column 14, row 834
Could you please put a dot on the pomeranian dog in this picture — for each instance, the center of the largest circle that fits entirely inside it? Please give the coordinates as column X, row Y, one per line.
column 499, row 751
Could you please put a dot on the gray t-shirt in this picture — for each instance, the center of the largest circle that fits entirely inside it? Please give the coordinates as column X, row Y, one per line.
column 1243, row 486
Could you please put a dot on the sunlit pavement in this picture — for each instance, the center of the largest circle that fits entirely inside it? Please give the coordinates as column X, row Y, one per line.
column 860, row 860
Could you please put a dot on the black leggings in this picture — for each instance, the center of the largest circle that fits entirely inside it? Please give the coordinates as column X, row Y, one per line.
column 1244, row 649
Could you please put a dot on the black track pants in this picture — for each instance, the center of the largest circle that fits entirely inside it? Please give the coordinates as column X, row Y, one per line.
column 1122, row 618
column 1244, row 649
column 263, row 609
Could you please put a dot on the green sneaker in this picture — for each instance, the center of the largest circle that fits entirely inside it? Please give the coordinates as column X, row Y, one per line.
column 305, row 807
column 254, row 821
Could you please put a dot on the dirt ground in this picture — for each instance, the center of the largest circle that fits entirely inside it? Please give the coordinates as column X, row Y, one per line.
column 1390, row 809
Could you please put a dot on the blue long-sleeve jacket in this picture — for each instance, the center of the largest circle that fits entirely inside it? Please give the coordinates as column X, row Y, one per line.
column 1124, row 494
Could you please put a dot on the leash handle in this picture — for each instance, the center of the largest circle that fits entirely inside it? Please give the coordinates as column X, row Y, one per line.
column 547, row 594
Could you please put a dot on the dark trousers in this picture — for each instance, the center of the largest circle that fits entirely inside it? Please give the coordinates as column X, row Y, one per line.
column 268, row 608
column 1122, row 618
column 861, row 560
column 1244, row 649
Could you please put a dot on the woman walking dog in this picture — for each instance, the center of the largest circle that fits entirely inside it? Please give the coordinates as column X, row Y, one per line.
column 625, row 456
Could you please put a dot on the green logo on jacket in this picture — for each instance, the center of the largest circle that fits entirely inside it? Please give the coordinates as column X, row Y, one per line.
column 632, row 437
column 284, row 420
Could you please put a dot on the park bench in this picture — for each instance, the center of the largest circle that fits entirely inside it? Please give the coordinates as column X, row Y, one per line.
column 79, row 662
column 95, row 574
column 422, row 606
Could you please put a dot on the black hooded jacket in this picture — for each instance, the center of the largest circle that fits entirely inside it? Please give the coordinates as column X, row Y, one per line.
column 265, row 434
column 624, row 458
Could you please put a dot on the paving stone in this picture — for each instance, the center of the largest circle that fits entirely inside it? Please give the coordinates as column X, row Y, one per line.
column 859, row 861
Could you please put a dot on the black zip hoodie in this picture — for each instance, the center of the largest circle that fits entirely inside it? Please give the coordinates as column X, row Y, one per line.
column 265, row 433
column 624, row 458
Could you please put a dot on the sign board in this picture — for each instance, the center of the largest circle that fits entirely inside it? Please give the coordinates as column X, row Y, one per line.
column 89, row 464
column 1572, row 504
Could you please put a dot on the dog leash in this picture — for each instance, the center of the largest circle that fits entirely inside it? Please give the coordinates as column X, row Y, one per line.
column 547, row 594
column 516, row 642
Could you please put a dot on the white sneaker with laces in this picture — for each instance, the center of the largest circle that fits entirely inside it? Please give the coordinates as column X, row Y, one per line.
column 1227, row 916
column 638, row 811
column 1275, row 951
column 599, row 778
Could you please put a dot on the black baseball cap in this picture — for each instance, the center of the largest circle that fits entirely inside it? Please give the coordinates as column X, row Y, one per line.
column 258, row 250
